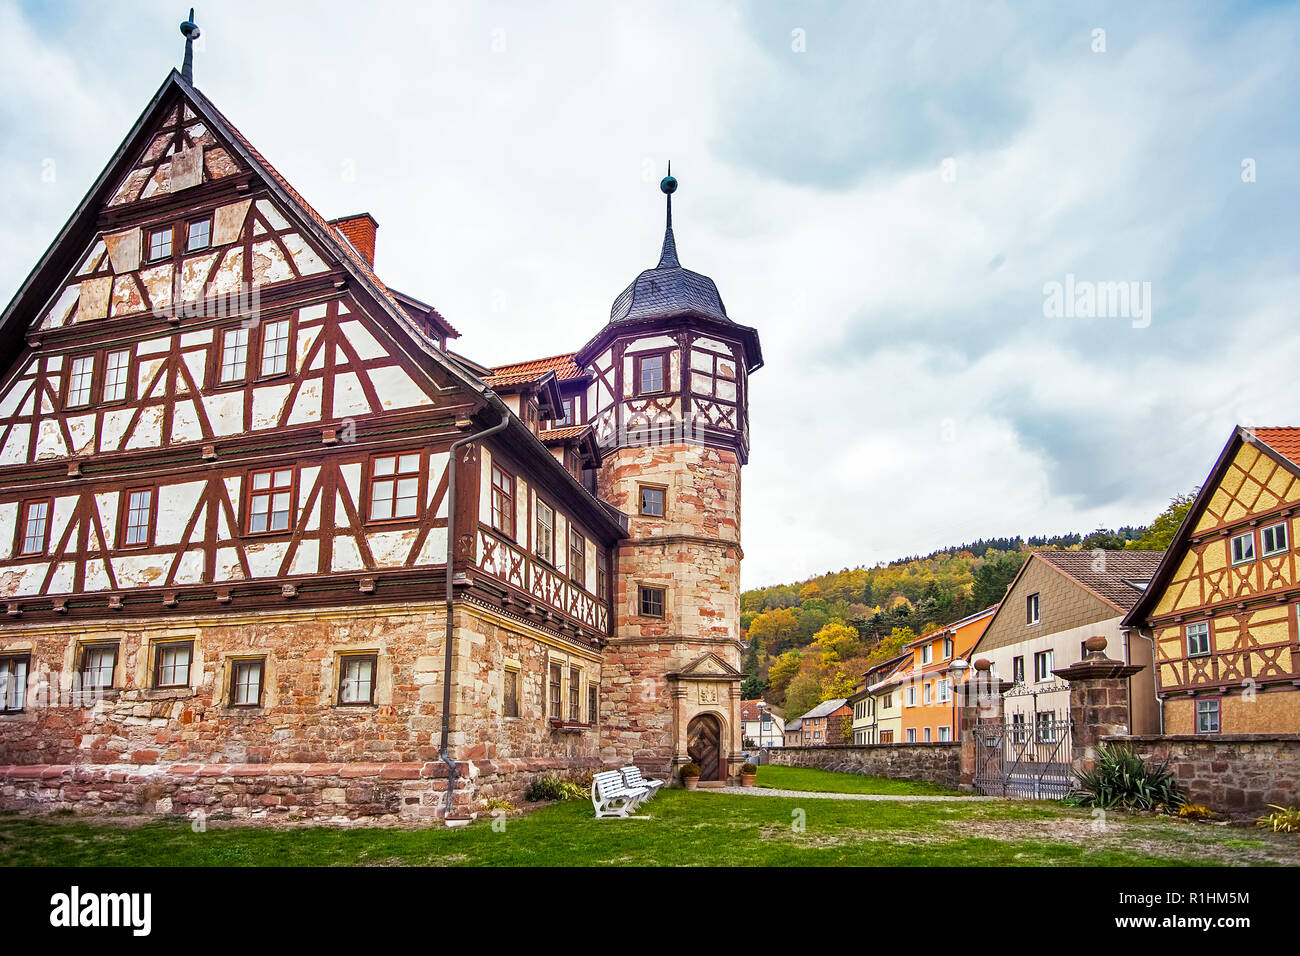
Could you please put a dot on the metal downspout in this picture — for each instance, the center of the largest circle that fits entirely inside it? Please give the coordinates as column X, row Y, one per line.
column 447, row 650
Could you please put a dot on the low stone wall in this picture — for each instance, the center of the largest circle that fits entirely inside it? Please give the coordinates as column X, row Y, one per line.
column 936, row 762
column 371, row 793
column 1236, row 774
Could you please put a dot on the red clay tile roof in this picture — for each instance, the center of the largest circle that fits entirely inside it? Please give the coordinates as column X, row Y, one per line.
column 565, row 369
column 749, row 710
column 563, row 434
column 1107, row 578
column 1285, row 440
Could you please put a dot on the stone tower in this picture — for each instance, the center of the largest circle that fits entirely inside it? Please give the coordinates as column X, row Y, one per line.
column 668, row 400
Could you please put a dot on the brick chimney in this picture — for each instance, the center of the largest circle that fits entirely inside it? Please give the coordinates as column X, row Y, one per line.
column 360, row 231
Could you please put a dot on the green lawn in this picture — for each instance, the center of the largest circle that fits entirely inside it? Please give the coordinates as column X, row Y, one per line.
column 823, row 781
column 685, row 828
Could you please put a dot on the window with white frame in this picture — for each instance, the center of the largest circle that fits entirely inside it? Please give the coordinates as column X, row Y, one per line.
column 81, row 375
column 36, row 527
column 98, row 662
column 945, row 734
column 1032, row 608
column 275, row 347
column 945, row 690
column 117, row 368
column 911, row 735
column 246, row 682
column 1207, row 716
column 911, row 695
column 139, row 518
column 1045, row 727
column 270, row 503
column 395, row 487
column 1243, row 548
column 545, row 532
column 13, row 681
column 357, row 678
column 1273, row 540
column 234, row 355
column 1044, row 661
column 1198, row 639
column 947, row 648
column 172, row 664
column 927, row 653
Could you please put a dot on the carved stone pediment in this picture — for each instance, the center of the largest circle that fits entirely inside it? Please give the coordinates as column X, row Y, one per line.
column 708, row 667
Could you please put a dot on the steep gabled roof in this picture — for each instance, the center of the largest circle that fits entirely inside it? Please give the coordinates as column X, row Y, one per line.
column 1281, row 443
column 58, row 260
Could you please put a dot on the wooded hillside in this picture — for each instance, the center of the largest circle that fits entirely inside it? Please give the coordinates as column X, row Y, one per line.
column 812, row 640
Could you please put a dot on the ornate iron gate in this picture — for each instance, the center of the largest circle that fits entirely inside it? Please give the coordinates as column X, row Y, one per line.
column 1017, row 758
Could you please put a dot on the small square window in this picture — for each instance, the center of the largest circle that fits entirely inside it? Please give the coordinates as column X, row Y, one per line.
column 652, row 602
column 1243, row 548
column 270, row 501
column 357, row 678
column 98, row 662
column 246, row 682
column 1273, row 540
column 198, row 235
column 13, row 682
column 1207, row 716
column 172, row 664
column 395, row 487
column 1198, row 639
column 1031, row 609
column 652, row 501
column 650, row 374
column 160, row 244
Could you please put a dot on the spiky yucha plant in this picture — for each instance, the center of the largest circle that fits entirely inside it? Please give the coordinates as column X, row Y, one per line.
column 1122, row 780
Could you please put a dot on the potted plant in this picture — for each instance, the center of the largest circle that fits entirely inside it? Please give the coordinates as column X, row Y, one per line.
column 748, row 772
column 690, row 775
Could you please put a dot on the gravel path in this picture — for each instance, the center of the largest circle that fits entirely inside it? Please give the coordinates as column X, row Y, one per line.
column 901, row 798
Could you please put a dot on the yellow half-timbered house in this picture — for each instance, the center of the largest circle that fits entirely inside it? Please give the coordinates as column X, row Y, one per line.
column 1222, row 606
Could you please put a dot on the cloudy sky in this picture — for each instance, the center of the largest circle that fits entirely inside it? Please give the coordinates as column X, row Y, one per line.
column 883, row 190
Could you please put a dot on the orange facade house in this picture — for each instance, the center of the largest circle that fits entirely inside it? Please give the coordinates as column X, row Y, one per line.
column 929, row 704
column 1221, row 609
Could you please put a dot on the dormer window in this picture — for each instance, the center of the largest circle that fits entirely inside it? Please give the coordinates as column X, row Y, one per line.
column 650, row 373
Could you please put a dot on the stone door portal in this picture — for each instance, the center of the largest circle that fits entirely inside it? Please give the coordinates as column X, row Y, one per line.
column 704, row 745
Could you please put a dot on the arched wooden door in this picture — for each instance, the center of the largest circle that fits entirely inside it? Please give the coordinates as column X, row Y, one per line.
column 704, row 745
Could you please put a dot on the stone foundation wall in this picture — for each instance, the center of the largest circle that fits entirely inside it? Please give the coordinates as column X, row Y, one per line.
column 935, row 762
column 1236, row 774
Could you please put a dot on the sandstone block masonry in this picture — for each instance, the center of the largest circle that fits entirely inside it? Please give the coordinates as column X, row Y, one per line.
column 1240, row 775
column 934, row 762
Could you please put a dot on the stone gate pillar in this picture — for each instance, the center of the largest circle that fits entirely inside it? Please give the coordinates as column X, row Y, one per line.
column 1099, row 700
column 980, row 702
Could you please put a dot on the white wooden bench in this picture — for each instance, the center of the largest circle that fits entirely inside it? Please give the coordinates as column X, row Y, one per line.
column 633, row 778
column 612, row 797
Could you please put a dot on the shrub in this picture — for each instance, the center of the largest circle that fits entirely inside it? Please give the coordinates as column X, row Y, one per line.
column 748, row 768
column 552, row 787
column 690, row 770
column 504, row 805
column 1122, row 780
column 1196, row 811
column 1281, row 820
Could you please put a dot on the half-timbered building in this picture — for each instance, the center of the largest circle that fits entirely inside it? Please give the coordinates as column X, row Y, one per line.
column 1222, row 606
column 267, row 543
